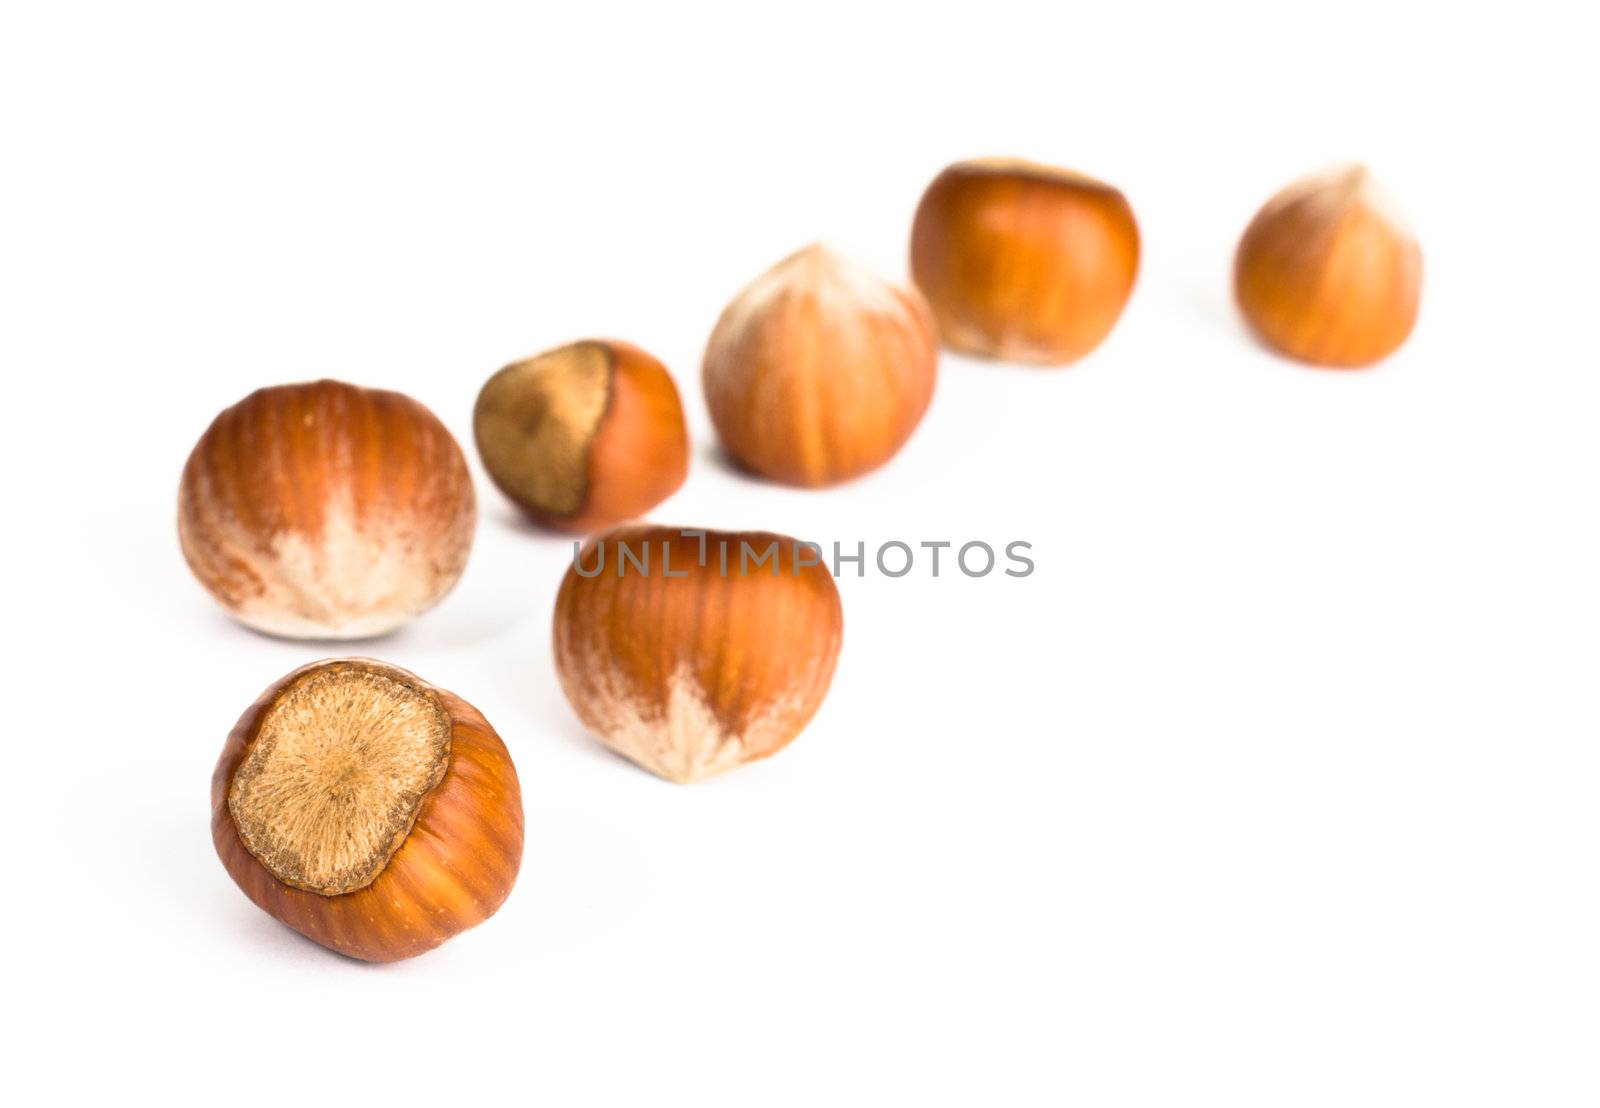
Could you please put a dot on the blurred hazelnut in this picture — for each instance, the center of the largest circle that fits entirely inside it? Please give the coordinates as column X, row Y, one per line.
column 585, row 436
column 819, row 370
column 1328, row 274
column 1022, row 261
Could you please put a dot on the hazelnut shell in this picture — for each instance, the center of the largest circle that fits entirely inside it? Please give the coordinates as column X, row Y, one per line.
column 584, row 436
column 325, row 510
column 1327, row 272
column 1022, row 261
column 447, row 869
column 819, row 371
column 693, row 675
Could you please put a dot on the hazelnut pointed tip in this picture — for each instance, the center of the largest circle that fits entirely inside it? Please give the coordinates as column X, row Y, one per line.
column 1328, row 272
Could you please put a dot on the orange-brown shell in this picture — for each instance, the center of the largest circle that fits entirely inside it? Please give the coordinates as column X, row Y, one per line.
column 325, row 510
column 455, row 868
column 1022, row 261
column 1326, row 274
column 692, row 675
column 819, row 371
column 638, row 455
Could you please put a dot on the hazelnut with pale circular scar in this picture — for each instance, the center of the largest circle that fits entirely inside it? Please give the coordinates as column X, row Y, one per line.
column 368, row 810
column 584, row 436
column 1328, row 273
column 819, row 371
column 1023, row 261
column 325, row 510
column 692, row 654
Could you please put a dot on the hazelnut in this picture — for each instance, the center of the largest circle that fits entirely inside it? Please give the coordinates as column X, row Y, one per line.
column 819, row 370
column 1327, row 273
column 585, row 436
column 326, row 511
column 692, row 652
column 368, row 810
column 1022, row 261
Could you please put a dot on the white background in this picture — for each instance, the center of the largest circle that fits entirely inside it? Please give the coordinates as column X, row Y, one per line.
column 1275, row 785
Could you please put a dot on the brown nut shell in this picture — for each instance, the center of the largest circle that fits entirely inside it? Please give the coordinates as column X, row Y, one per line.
column 819, row 371
column 325, row 510
column 373, row 813
column 1022, row 261
column 687, row 669
column 1328, row 273
column 583, row 436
